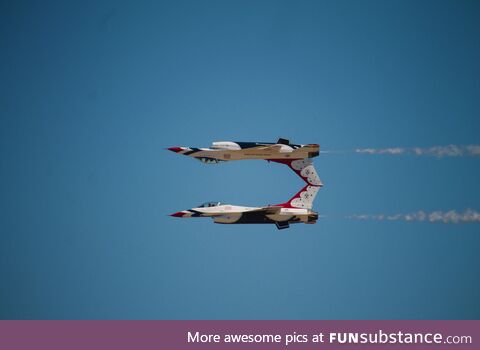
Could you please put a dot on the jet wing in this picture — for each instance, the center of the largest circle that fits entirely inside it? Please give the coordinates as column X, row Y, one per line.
column 267, row 210
column 269, row 147
column 270, row 209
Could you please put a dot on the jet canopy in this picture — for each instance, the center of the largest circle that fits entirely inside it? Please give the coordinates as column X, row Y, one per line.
column 209, row 204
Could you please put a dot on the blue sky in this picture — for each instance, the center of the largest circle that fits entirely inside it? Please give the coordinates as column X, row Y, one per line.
column 93, row 92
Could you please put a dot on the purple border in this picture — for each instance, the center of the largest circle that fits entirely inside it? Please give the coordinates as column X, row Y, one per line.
column 120, row 335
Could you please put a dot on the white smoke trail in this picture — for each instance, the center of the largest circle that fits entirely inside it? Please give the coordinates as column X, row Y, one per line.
column 448, row 217
column 335, row 152
column 435, row 151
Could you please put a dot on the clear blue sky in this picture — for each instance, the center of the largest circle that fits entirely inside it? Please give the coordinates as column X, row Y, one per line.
column 92, row 92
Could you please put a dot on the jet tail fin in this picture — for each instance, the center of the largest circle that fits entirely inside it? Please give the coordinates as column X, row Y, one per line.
column 303, row 168
column 303, row 199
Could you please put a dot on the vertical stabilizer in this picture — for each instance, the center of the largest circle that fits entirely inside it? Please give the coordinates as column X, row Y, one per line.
column 303, row 199
column 303, row 168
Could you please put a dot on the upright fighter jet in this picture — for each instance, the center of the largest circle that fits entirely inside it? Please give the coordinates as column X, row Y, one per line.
column 222, row 151
column 296, row 210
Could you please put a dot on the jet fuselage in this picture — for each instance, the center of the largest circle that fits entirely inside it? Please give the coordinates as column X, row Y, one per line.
column 233, row 214
column 229, row 150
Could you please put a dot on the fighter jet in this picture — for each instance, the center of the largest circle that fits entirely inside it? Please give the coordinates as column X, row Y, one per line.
column 296, row 210
column 222, row 151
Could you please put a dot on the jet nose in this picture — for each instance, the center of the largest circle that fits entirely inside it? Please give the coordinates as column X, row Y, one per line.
column 178, row 214
column 175, row 149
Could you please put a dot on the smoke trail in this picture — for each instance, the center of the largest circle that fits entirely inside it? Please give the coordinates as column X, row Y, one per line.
column 335, row 152
column 449, row 217
column 435, row 151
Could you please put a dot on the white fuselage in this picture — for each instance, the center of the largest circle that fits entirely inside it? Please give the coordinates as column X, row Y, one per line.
column 229, row 150
column 227, row 213
column 283, row 152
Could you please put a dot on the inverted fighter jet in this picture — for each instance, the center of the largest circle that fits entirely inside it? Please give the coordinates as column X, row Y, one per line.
column 296, row 210
column 222, row 151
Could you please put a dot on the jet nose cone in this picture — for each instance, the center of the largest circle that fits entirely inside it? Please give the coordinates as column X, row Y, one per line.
column 175, row 149
column 178, row 214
